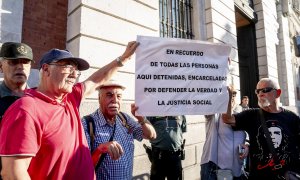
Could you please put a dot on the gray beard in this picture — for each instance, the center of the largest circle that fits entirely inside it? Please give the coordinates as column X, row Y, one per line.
column 264, row 104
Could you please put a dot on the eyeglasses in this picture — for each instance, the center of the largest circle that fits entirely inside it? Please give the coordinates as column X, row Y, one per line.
column 264, row 90
column 68, row 69
column 15, row 62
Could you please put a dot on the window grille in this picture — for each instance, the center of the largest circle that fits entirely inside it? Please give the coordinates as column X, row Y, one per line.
column 245, row 2
column 250, row 3
column 296, row 5
column 176, row 18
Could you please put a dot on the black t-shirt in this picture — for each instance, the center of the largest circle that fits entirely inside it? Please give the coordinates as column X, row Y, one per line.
column 5, row 102
column 284, row 128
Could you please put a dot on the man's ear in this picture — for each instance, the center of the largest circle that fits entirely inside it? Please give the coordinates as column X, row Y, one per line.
column 1, row 70
column 278, row 93
column 45, row 68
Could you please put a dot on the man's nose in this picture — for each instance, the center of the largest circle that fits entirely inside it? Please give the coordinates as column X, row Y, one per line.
column 115, row 98
column 73, row 74
column 20, row 65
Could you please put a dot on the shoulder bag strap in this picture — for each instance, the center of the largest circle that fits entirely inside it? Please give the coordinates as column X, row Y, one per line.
column 122, row 116
column 269, row 140
column 90, row 123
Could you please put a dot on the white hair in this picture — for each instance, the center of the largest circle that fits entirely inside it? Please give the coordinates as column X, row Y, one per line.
column 272, row 83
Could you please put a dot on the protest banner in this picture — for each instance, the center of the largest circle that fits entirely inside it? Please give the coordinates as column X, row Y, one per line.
column 180, row 77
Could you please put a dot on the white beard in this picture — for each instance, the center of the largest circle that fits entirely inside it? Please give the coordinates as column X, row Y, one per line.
column 263, row 103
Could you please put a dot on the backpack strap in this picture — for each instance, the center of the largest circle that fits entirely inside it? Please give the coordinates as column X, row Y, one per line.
column 91, row 129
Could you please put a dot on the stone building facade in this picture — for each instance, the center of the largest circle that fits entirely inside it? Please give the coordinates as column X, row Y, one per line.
column 263, row 35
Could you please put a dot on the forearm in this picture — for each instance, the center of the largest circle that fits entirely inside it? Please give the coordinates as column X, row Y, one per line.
column 105, row 73
column 113, row 148
column 148, row 130
column 99, row 77
column 15, row 168
column 16, row 175
column 97, row 154
column 228, row 119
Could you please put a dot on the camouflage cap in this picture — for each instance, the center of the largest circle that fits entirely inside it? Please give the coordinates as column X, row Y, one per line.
column 15, row 50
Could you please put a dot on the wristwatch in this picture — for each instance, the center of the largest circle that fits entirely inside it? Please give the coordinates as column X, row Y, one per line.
column 120, row 64
column 143, row 121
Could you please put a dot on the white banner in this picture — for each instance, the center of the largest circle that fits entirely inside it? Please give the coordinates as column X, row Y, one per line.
column 180, row 77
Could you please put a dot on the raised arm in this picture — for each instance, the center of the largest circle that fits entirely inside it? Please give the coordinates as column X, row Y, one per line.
column 148, row 130
column 106, row 72
column 228, row 118
column 15, row 167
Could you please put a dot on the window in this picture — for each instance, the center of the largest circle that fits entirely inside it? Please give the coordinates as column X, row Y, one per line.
column 176, row 18
column 296, row 5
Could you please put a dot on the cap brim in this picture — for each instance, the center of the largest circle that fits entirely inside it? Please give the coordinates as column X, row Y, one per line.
column 20, row 57
column 82, row 64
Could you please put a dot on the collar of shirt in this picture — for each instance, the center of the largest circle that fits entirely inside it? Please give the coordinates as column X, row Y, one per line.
column 100, row 119
column 5, row 91
column 34, row 92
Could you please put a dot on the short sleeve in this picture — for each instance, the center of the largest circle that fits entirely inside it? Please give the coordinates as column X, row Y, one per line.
column 77, row 93
column 20, row 133
column 136, row 128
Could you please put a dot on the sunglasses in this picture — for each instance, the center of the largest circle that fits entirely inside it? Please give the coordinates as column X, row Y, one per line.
column 264, row 90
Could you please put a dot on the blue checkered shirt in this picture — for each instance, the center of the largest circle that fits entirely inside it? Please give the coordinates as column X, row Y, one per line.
column 121, row 168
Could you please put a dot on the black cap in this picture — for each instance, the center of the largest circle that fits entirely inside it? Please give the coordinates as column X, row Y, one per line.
column 15, row 50
column 55, row 55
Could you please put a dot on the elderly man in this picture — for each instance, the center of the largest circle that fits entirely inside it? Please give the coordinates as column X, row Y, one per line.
column 41, row 135
column 15, row 64
column 114, row 133
column 263, row 163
